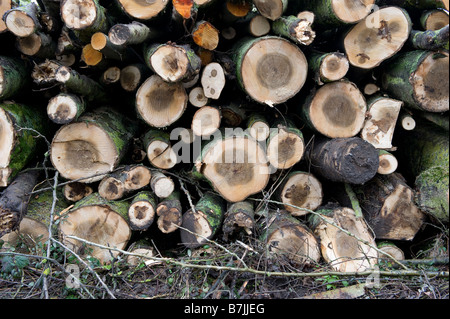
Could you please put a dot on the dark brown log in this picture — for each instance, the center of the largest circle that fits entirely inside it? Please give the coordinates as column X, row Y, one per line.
column 347, row 160
column 169, row 212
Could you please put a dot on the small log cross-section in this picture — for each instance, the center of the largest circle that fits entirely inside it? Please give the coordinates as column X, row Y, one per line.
column 336, row 110
column 99, row 221
column 170, row 212
column 23, row 20
column 159, row 149
column 328, row 67
column 345, row 250
column 143, row 10
column 239, row 216
column 204, row 221
column 65, row 108
column 162, row 185
column 287, row 236
column 303, row 190
column 213, row 80
column 270, row 70
column 285, row 145
column 141, row 212
column 93, row 146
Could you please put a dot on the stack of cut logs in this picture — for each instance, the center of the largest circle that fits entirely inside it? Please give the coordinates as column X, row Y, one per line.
column 318, row 127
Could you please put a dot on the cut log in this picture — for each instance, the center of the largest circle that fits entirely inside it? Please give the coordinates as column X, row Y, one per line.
column 99, row 221
column 206, row 121
column 434, row 19
column 269, row 69
column 132, row 76
column 420, row 79
column 39, row 45
column 433, row 40
column 141, row 248
column 233, row 114
column 235, row 164
column 303, row 190
column 75, row 191
column 84, row 18
column 369, row 44
column 197, row 97
column 347, row 160
column 285, row 145
column 33, row 230
column 391, row 249
column 170, row 213
column 162, row 185
column 92, row 57
column 205, row 221
column 143, row 10
column 132, row 33
column 382, row 116
column 20, row 126
column 344, row 252
column 205, row 35
column 80, row 84
column 388, row 206
column 172, row 62
column 159, row 103
column 141, row 212
column 425, row 155
column 110, row 76
column 14, row 201
column 239, row 216
column 388, row 163
column 102, row 43
column 65, row 108
column 294, row 29
column 213, row 80
column 254, row 25
column 23, row 20
column 93, row 146
column 271, row 9
column 328, row 67
column 44, row 74
column 407, row 121
column 5, row 5
column 13, row 76
column 258, row 127
column 286, row 236
column 336, row 110
column 187, row 9
column 335, row 13
column 159, row 149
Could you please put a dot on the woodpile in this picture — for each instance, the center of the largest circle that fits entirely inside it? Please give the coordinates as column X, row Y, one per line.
column 318, row 127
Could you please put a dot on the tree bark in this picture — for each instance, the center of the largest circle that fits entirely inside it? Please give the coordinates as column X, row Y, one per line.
column 130, row 34
column 204, row 221
column 420, row 79
column 430, row 40
column 14, row 201
column 347, row 160
column 13, row 76
column 20, row 126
